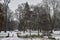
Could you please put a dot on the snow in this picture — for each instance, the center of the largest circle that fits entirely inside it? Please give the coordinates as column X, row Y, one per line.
column 28, row 33
column 45, row 36
column 56, row 34
column 13, row 38
column 3, row 34
column 11, row 34
column 23, row 39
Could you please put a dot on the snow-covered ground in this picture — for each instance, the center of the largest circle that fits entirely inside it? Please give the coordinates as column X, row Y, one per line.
column 13, row 38
column 3, row 34
column 56, row 34
column 13, row 35
column 21, row 33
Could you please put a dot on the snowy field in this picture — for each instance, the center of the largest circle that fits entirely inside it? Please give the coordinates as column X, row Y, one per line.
column 13, row 35
column 56, row 35
column 23, row 39
column 21, row 33
column 28, row 33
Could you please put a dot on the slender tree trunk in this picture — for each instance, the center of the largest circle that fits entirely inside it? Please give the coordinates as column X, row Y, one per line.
column 24, row 29
column 30, row 32
column 38, row 30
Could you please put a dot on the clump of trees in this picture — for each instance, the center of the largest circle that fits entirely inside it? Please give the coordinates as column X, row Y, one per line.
column 34, row 18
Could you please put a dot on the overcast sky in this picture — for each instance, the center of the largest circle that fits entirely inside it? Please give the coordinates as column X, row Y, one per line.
column 14, row 3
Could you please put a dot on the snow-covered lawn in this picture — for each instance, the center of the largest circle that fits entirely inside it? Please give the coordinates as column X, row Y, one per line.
column 3, row 34
column 13, row 38
column 20, row 33
column 28, row 33
column 56, row 34
column 13, row 35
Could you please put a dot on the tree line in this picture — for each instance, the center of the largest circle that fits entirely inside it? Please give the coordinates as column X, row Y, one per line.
column 34, row 18
column 30, row 17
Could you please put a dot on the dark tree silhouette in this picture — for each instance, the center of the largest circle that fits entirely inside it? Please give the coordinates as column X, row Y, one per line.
column 1, row 17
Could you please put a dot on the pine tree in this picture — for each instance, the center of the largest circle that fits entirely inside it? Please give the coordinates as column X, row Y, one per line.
column 26, row 16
